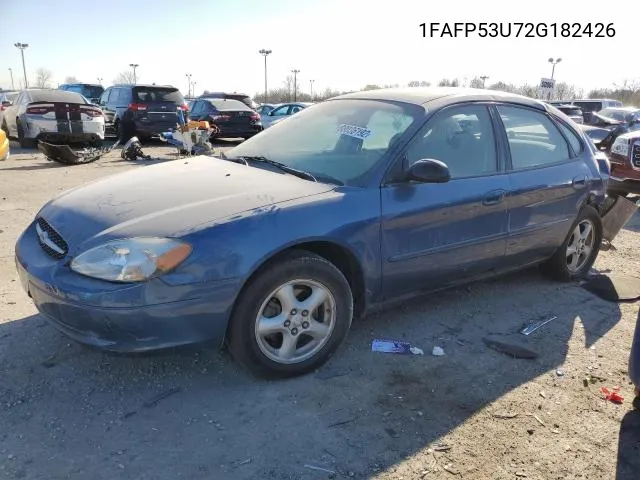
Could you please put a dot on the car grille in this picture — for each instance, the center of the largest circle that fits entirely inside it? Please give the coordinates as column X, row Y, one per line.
column 50, row 240
column 635, row 155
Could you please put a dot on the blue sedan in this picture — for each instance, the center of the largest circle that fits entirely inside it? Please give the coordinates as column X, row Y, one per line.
column 276, row 246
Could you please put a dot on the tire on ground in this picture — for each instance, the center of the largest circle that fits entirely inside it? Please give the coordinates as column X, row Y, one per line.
column 241, row 337
column 557, row 267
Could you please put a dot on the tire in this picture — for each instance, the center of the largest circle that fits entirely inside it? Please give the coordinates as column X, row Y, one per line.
column 262, row 353
column 124, row 132
column 559, row 266
column 24, row 142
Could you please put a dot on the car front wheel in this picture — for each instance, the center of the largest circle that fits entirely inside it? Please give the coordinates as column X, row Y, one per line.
column 291, row 317
column 578, row 252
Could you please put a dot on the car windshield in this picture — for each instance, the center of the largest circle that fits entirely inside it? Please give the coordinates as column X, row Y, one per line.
column 91, row 91
column 617, row 114
column 339, row 140
column 223, row 104
column 156, row 94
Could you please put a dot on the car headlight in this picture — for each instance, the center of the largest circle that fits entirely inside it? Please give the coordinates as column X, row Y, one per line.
column 131, row 259
column 620, row 147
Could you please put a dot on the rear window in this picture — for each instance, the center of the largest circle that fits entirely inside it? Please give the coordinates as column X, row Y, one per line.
column 589, row 106
column 56, row 96
column 223, row 104
column 92, row 92
column 153, row 94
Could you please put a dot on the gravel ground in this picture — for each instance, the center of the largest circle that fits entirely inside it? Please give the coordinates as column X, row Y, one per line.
column 68, row 412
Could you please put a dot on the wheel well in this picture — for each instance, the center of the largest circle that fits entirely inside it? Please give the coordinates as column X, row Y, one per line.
column 339, row 256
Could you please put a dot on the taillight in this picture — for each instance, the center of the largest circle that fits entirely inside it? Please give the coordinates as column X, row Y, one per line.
column 184, row 107
column 92, row 112
column 255, row 116
column 137, row 107
column 39, row 110
column 2, row 108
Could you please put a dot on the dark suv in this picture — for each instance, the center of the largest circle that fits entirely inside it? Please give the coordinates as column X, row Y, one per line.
column 90, row 91
column 143, row 111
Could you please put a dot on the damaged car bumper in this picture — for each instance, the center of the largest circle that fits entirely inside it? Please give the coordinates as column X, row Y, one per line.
column 118, row 317
column 51, row 130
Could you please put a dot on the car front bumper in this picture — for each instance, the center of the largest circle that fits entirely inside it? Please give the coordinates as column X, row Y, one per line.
column 136, row 317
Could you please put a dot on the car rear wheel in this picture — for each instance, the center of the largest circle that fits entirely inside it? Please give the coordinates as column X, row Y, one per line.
column 24, row 142
column 580, row 249
column 292, row 317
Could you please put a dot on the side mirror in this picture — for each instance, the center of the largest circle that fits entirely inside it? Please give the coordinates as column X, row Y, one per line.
column 429, row 171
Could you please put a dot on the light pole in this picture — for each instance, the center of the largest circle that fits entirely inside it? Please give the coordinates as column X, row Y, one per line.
column 22, row 46
column 264, row 53
column 554, row 63
column 193, row 88
column 311, row 88
column 188, row 75
column 295, row 83
column 134, row 66
column 12, row 85
column 100, row 80
column 483, row 78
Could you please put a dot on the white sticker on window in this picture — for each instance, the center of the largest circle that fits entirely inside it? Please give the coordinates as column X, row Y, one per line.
column 354, row 131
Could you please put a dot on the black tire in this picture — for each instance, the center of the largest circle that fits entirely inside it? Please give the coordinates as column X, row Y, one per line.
column 24, row 142
column 241, row 335
column 124, row 131
column 556, row 267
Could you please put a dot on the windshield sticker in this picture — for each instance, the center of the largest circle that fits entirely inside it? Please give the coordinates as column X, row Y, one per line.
column 354, row 131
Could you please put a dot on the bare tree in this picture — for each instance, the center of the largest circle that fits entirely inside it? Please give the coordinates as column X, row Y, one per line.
column 125, row 76
column 445, row 82
column 71, row 79
column 371, row 87
column 43, row 76
column 476, row 82
column 424, row 83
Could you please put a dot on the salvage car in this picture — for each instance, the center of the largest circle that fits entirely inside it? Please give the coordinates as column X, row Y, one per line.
column 54, row 116
column 625, row 164
column 278, row 244
column 590, row 106
column 233, row 118
column 572, row 111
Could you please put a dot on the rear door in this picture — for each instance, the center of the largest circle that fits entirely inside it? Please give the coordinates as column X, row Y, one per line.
column 548, row 180
column 158, row 106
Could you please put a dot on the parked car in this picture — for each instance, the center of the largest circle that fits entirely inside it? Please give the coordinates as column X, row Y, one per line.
column 6, row 100
column 233, row 118
column 625, row 164
column 609, row 123
column 53, row 116
column 5, row 149
column 91, row 91
column 278, row 244
column 282, row 111
column 594, row 105
column 246, row 99
column 618, row 114
column 572, row 111
column 143, row 111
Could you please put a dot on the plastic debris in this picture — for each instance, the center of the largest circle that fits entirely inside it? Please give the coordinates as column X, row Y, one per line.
column 319, row 469
column 395, row 346
column 533, row 326
column 437, row 351
column 560, row 372
column 614, row 396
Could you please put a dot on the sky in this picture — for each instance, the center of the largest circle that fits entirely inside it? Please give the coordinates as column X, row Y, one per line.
column 342, row 44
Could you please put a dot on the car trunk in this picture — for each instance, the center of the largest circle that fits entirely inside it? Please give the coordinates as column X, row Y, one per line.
column 157, row 107
column 68, row 117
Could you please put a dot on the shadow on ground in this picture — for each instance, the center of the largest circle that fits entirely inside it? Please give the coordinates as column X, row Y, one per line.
column 71, row 412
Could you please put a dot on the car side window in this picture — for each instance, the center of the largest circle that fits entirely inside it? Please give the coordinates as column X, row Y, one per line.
column 462, row 137
column 196, row 108
column 573, row 138
column 104, row 98
column 280, row 111
column 533, row 138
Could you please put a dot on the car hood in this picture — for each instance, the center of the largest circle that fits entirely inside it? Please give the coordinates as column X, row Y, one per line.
column 170, row 199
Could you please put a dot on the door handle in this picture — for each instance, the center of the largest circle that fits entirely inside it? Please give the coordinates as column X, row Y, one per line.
column 494, row 197
column 579, row 182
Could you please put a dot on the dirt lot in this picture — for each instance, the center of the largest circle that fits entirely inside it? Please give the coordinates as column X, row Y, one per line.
column 67, row 412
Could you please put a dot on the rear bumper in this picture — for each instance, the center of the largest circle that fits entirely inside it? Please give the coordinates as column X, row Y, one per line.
column 243, row 131
column 50, row 130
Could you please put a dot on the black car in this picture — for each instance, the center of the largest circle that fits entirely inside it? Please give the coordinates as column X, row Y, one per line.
column 233, row 118
column 143, row 111
column 90, row 91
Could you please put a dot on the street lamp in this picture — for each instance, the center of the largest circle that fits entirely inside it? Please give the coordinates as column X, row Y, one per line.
column 311, row 88
column 12, row 85
column 22, row 46
column 264, row 53
column 188, row 75
column 134, row 66
column 193, row 88
column 554, row 63
column 100, row 80
column 295, row 83
column 483, row 78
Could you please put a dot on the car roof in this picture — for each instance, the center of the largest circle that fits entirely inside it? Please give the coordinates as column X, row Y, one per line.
column 423, row 95
column 81, row 83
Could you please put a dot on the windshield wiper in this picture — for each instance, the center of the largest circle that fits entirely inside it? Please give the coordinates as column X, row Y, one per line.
column 234, row 160
column 281, row 166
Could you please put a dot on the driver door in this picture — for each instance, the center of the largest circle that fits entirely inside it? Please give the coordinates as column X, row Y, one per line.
column 437, row 234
